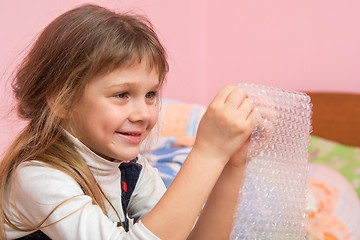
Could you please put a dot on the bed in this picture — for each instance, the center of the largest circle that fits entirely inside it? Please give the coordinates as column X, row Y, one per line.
column 333, row 211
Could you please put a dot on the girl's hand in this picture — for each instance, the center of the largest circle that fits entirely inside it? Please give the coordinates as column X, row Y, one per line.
column 238, row 159
column 226, row 124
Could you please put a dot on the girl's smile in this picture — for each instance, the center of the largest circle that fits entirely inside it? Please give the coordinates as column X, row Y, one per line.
column 131, row 137
column 117, row 112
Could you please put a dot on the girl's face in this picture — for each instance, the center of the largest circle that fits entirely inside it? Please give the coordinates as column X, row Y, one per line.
column 117, row 112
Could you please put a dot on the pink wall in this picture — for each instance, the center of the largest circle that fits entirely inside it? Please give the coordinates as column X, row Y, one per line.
column 299, row 45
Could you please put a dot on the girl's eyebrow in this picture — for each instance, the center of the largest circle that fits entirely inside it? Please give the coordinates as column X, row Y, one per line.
column 120, row 85
column 157, row 86
column 131, row 84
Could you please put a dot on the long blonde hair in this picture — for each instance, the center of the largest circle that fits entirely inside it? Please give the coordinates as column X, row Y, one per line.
column 80, row 44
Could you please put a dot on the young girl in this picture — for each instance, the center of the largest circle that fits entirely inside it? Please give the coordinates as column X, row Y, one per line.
column 89, row 90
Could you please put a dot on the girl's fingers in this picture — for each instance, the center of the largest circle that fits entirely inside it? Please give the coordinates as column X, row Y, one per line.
column 251, row 119
column 233, row 102
column 235, row 97
column 238, row 104
column 245, row 108
column 223, row 94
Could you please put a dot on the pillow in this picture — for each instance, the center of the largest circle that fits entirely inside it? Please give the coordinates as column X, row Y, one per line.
column 343, row 159
column 179, row 122
column 337, row 211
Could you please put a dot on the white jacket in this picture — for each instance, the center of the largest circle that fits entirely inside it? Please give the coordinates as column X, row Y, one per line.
column 37, row 189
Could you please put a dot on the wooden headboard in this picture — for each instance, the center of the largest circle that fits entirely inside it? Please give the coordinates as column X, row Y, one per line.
column 336, row 116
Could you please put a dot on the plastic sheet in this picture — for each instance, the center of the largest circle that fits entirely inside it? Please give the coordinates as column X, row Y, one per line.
column 273, row 200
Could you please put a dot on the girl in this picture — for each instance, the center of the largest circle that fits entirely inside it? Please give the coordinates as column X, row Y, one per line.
column 89, row 90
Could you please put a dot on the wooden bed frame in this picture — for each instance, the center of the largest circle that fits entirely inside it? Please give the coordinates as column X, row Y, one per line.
column 336, row 116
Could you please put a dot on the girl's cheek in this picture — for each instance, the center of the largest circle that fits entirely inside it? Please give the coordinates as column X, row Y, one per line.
column 155, row 116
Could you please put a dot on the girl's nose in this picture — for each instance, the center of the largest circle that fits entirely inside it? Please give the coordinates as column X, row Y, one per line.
column 141, row 111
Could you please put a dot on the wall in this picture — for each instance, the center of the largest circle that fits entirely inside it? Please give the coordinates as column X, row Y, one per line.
column 299, row 45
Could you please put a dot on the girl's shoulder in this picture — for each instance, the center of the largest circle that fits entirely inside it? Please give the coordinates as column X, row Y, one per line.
column 37, row 169
column 36, row 179
column 33, row 168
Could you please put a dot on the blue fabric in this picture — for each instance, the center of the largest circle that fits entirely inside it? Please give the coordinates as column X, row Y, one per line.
column 168, row 161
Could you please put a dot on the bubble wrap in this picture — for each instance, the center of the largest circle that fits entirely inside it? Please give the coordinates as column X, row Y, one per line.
column 273, row 200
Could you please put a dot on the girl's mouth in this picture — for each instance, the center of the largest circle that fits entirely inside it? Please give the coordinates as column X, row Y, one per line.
column 131, row 137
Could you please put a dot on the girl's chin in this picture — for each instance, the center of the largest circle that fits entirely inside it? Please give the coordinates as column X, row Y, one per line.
column 122, row 159
column 119, row 159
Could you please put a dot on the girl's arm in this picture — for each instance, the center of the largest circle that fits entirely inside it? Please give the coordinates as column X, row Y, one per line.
column 225, row 127
column 216, row 219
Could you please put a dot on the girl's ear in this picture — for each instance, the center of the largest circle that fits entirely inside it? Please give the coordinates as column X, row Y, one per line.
column 57, row 109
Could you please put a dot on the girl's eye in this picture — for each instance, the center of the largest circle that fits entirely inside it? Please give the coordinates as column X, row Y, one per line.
column 121, row 95
column 151, row 95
